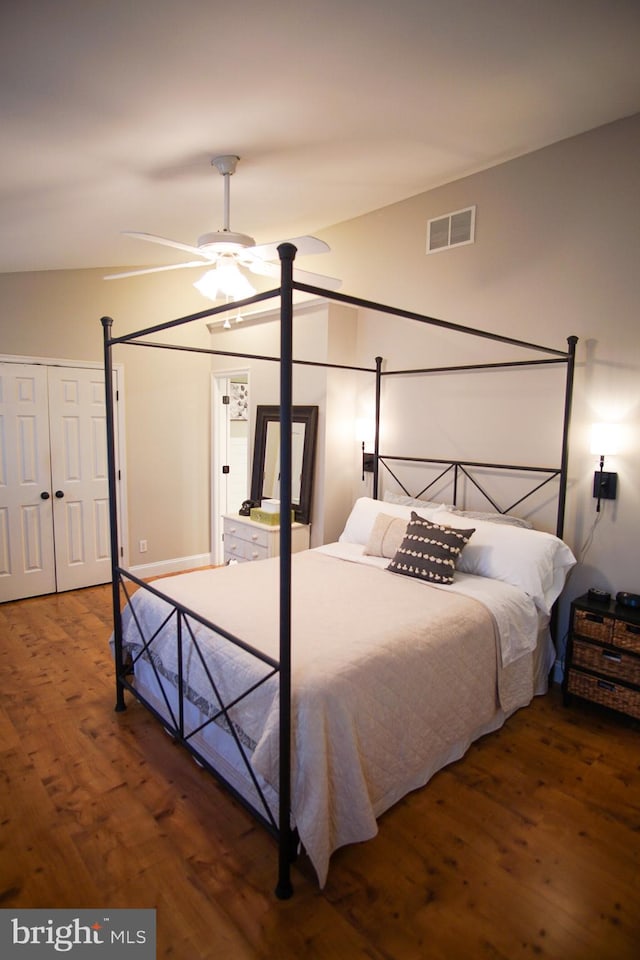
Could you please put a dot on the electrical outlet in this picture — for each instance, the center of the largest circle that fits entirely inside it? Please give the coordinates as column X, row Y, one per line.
column 142, row 546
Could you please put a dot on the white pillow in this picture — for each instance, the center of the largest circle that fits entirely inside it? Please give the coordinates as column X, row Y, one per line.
column 363, row 516
column 536, row 562
column 390, row 497
column 494, row 517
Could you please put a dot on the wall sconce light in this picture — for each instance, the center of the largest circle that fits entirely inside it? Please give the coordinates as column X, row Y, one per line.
column 605, row 441
column 368, row 461
column 365, row 428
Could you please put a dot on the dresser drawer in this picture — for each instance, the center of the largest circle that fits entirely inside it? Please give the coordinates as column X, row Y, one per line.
column 237, row 549
column 594, row 625
column 627, row 636
column 614, row 663
column 606, row 692
column 244, row 539
column 243, row 531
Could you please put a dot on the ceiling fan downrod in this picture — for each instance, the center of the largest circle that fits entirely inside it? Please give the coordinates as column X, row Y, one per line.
column 226, row 166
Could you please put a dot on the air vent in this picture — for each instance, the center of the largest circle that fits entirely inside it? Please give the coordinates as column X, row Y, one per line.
column 452, row 230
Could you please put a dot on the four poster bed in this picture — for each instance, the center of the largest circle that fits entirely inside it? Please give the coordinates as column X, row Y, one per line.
column 361, row 667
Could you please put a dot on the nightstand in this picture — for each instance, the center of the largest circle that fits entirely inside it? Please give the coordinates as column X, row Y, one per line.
column 602, row 662
column 245, row 540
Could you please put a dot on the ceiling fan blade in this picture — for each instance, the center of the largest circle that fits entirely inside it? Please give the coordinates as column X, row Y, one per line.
column 246, row 258
column 304, row 245
column 171, row 266
column 267, row 269
column 260, row 267
column 175, row 244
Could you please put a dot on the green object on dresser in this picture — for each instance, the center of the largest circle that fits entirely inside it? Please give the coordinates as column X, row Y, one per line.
column 264, row 516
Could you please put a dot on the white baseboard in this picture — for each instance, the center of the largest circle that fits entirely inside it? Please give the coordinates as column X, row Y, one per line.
column 177, row 565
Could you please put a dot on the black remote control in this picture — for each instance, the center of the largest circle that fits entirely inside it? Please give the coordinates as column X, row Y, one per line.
column 598, row 595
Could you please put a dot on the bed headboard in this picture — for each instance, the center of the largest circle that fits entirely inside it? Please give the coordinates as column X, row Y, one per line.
column 448, row 476
column 466, row 484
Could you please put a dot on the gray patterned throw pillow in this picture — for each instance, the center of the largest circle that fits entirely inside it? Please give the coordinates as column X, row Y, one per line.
column 428, row 551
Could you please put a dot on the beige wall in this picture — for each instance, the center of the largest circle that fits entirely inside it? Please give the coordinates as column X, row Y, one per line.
column 555, row 254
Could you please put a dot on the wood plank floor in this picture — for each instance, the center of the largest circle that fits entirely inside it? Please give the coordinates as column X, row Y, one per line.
column 528, row 847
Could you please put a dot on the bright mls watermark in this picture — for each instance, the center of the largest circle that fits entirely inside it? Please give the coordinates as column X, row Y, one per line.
column 100, row 934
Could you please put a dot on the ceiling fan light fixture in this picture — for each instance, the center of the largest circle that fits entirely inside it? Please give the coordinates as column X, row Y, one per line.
column 225, row 280
column 225, row 241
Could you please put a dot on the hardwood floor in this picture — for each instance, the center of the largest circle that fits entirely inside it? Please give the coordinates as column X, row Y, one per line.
column 528, row 847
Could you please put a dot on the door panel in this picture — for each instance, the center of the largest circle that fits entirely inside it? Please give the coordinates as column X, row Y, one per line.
column 54, row 502
column 27, row 561
column 77, row 417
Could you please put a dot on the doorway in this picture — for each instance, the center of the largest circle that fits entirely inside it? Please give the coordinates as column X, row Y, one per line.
column 54, row 500
column 230, row 467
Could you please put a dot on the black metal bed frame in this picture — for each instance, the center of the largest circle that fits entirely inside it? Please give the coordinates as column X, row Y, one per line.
column 281, row 827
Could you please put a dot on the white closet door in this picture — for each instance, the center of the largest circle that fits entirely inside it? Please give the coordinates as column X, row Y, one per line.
column 77, row 420
column 27, row 561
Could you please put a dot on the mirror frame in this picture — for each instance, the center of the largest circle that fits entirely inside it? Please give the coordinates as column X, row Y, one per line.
column 307, row 415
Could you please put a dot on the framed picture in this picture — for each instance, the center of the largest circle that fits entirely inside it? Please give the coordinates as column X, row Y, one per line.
column 239, row 394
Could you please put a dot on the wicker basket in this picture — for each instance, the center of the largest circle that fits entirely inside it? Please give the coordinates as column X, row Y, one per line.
column 593, row 625
column 605, row 692
column 627, row 635
column 614, row 663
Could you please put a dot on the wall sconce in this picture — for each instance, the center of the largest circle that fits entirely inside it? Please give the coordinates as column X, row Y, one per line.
column 366, row 428
column 368, row 461
column 605, row 441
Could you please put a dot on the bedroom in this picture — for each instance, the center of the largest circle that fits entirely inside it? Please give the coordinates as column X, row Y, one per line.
column 532, row 281
column 581, row 278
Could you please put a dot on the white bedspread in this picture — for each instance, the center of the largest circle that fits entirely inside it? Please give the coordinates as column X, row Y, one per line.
column 516, row 615
column 392, row 678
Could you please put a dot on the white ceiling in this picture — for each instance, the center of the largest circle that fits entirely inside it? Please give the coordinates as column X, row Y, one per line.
column 111, row 110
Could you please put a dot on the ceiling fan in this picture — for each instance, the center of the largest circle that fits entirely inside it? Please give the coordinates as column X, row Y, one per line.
column 225, row 251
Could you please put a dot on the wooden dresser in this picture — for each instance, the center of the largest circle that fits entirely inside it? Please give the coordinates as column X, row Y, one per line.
column 602, row 662
column 245, row 540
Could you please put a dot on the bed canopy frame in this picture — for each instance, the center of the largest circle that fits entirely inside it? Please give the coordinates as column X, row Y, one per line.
column 280, row 826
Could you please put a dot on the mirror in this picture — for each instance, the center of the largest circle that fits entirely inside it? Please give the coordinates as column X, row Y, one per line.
column 265, row 478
